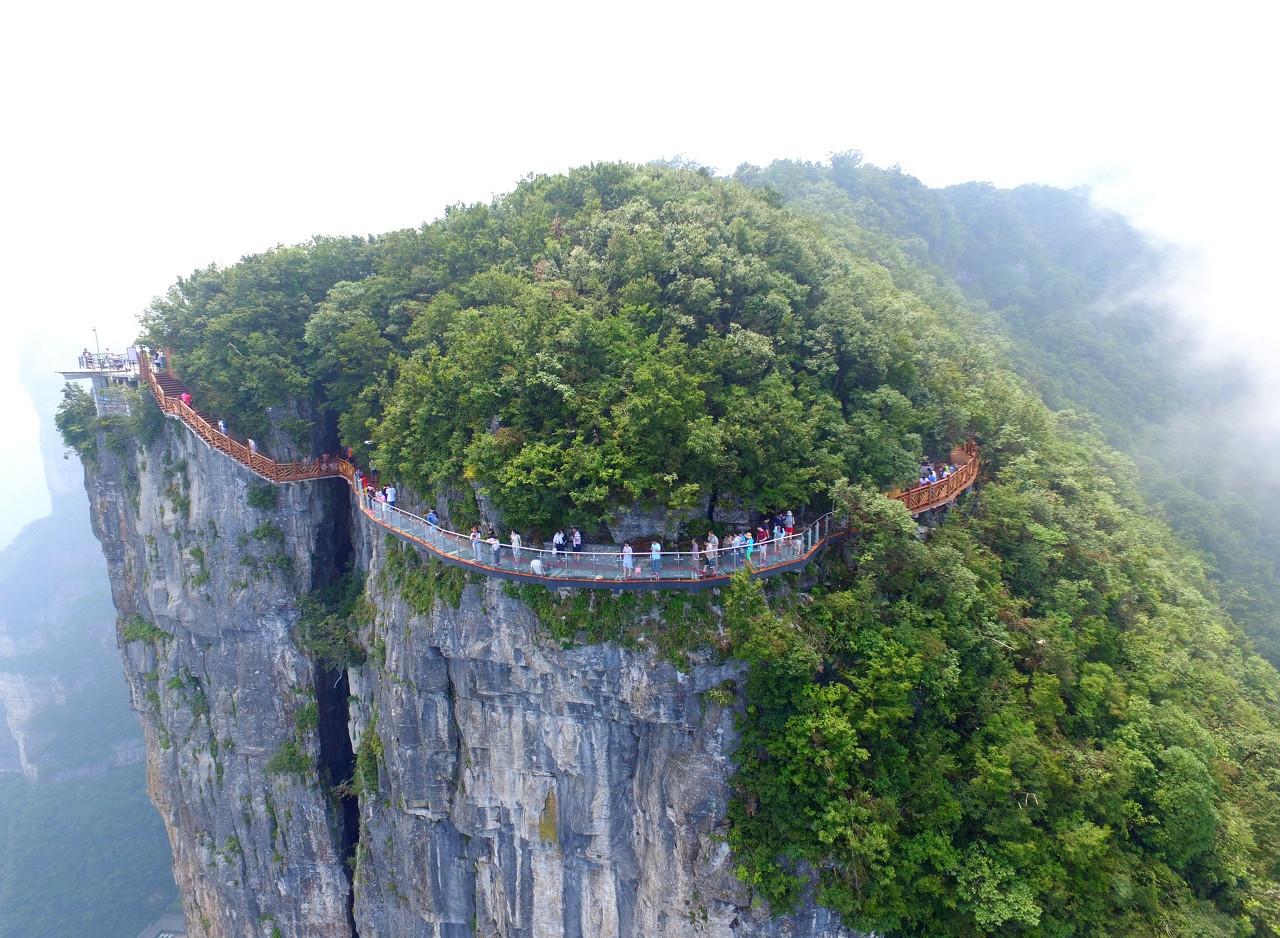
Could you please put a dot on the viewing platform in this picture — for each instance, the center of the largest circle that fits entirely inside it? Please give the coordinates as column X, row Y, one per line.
column 109, row 374
column 592, row 567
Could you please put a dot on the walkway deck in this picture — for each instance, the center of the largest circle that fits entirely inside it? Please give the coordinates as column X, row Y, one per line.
column 593, row 567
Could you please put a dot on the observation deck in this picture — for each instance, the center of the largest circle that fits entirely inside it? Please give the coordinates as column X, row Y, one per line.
column 109, row 374
column 593, row 567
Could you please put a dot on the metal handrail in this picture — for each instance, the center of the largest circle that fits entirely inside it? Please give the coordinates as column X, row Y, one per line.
column 548, row 565
column 596, row 564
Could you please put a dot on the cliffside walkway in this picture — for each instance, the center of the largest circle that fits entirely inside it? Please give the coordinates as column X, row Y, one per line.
column 593, row 567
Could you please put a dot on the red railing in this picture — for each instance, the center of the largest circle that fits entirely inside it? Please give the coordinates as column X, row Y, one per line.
column 593, row 568
column 264, row 466
column 923, row 498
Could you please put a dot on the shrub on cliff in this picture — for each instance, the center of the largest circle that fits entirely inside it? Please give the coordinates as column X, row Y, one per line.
column 77, row 420
column 329, row 622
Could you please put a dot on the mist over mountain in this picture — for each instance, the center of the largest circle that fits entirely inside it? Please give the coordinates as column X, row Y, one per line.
column 1081, row 299
column 82, row 852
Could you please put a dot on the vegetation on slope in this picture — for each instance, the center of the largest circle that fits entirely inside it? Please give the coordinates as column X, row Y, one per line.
column 81, row 857
column 1068, row 286
column 1037, row 721
column 1033, row 723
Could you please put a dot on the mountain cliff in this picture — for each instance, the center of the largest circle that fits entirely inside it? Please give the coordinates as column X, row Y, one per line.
column 471, row 776
column 1032, row 717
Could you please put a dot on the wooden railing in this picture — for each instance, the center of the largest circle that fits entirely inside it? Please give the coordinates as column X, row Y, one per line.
column 923, row 498
column 591, row 568
column 264, row 466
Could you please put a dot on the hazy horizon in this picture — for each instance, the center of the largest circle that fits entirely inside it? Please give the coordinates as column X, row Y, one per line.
column 154, row 140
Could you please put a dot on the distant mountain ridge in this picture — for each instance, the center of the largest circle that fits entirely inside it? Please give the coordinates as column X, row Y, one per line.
column 81, row 850
column 1070, row 287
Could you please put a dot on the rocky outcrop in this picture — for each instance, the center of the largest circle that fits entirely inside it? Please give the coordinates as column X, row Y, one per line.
column 207, row 589
column 471, row 777
column 526, row 789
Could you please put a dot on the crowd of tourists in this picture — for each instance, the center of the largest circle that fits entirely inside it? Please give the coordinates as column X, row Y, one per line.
column 772, row 539
column 109, row 360
column 935, row 472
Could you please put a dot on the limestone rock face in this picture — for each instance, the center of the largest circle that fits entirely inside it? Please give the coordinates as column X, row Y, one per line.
column 505, row 785
column 212, row 587
column 639, row 521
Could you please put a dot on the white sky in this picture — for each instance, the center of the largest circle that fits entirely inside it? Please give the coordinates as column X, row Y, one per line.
column 144, row 140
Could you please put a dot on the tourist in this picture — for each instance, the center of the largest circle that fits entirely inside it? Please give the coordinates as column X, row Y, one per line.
column 535, row 565
column 515, row 548
column 475, row 543
column 750, row 543
column 495, row 546
column 762, row 541
column 695, row 559
column 789, row 523
column 557, row 544
column 577, row 541
column 655, row 559
column 433, row 519
column 222, row 426
column 185, row 397
column 628, row 562
column 391, row 495
column 253, row 447
column 713, row 547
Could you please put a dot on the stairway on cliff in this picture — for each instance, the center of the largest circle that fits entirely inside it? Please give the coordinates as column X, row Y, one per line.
column 171, row 386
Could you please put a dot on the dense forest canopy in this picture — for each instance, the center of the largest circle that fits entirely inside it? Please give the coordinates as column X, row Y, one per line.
column 614, row 335
column 1037, row 721
column 1068, row 287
